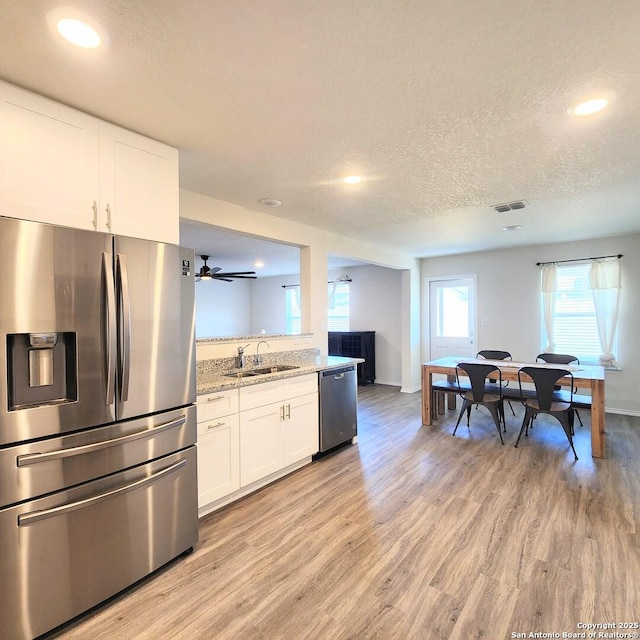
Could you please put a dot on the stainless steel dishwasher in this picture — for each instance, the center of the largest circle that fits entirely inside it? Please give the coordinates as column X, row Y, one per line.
column 338, row 407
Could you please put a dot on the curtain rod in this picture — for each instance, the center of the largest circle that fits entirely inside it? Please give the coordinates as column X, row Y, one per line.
column 289, row 286
column 539, row 264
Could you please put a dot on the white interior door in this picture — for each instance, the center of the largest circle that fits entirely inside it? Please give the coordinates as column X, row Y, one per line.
column 452, row 317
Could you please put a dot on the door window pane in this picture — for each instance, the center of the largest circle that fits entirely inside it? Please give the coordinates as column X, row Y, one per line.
column 453, row 312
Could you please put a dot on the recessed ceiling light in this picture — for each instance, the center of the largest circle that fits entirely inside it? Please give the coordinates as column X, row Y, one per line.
column 353, row 179
column 588, row 107
column 78, row 29
column 270, row 202
column 258, row 264
column 79, row 33
column 512, row 227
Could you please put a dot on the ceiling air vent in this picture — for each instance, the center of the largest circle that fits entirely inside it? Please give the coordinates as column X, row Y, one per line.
column 510, row 206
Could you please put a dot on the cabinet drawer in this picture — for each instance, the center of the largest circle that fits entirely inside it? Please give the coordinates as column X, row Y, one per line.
column 218, row 404
column 258, row 395
column 298, row 386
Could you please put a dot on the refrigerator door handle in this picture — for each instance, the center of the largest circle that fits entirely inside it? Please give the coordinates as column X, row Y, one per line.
column 124, row 310
column 35, row 516
column 110, row 327
column 34, row 458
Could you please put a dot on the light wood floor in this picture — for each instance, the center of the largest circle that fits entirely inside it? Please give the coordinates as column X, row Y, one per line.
column 410, row 534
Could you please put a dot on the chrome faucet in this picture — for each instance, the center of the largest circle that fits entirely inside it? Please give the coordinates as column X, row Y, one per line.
column 240, row 359
column 258, row 358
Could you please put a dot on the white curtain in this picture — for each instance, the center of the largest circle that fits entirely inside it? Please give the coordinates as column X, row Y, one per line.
column 332, row 294
column 549, row 289
column 604, row 281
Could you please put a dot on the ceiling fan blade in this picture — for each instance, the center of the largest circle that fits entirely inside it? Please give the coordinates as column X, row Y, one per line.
column 216, row 269
column 236, row 274
column 221, row 278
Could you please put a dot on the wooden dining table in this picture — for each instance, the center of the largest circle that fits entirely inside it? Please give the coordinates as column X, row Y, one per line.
column 584, row 377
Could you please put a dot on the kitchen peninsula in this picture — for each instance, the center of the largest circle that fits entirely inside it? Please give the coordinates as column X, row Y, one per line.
column 256, row 423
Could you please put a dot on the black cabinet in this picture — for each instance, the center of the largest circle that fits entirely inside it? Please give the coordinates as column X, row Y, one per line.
column 356, row 344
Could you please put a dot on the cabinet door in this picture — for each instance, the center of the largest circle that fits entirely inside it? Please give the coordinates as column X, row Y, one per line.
column 49, row 160
column 218, row 459
column 300, row 428
column 139, row 186
column 260, row 442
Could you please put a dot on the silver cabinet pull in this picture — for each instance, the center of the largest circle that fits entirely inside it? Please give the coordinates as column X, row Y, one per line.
column 282, row 412
column 214, row 426
column 215, row 398
column 34, row 458
column 108, row 210
column 289, row 411
column 95, row 214
column 35, row 516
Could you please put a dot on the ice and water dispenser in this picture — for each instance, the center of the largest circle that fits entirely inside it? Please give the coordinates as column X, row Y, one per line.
column 42, row 369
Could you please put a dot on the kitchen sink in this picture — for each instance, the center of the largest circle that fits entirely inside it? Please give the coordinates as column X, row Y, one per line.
column 263, row 371
column 275, row 369
column 241, row 374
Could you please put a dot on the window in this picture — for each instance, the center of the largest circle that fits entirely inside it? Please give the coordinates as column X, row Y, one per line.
column 337, row 313
column 292, row 304
column 575, row 328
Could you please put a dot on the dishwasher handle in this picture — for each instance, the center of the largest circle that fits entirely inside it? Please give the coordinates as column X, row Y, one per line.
column 338, row 374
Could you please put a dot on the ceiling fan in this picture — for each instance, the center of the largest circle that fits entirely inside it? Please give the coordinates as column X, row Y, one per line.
column 216, row 273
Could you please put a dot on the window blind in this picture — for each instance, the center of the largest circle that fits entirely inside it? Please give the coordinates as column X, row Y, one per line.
column 574, row 322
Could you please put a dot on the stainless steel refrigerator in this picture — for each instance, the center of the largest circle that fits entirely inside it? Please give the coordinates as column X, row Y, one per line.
column 97, row 421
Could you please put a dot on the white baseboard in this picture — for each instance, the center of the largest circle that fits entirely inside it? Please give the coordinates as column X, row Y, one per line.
column 391, row 383
column 622, row 412
column 410, row 389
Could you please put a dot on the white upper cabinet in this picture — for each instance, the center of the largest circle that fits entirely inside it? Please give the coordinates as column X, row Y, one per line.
column 49, row 161
column 139, row 186
column 62, row 166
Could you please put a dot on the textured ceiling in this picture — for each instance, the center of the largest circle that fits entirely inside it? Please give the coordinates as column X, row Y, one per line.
column 445, row 108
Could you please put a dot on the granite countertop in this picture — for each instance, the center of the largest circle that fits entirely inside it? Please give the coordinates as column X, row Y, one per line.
column 259, row 336
column 216, row 381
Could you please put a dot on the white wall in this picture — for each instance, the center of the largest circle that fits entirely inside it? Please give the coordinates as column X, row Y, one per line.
column 375, row 295
column 268, row 304
column 508, row 296
column 223, row 308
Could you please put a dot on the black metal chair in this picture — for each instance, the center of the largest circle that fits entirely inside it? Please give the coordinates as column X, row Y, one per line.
column 544, row 381
column 478, row 375
column 495, row 354
column 560, row 358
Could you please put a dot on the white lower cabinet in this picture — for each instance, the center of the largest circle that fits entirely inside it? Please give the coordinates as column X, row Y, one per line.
column 218, row 453
column 250, row 436
column 218, row 446
column 282, row 430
